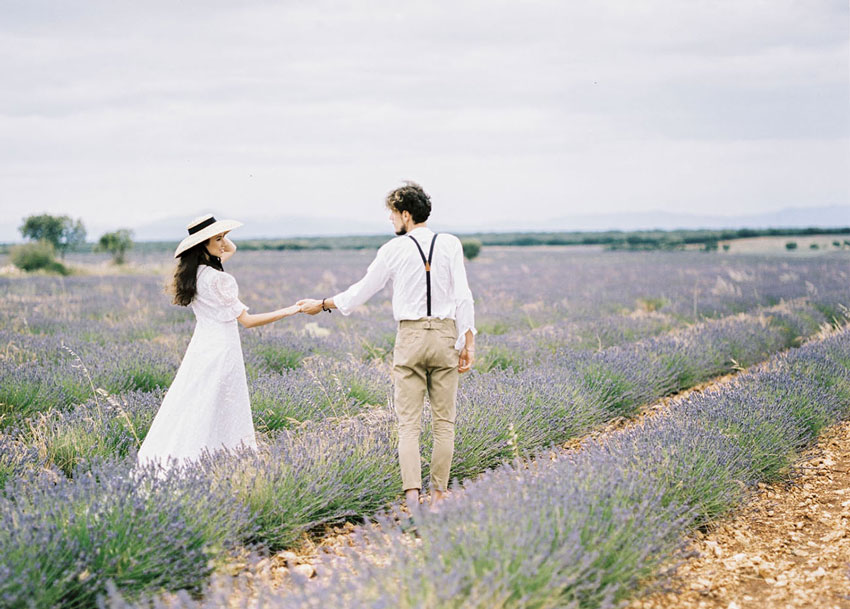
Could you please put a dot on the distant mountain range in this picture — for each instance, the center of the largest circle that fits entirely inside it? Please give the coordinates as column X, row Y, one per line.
column 298, row 226
column 266, row 227
column 302, row 226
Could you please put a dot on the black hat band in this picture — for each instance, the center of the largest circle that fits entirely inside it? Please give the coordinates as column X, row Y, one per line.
column 201, row 225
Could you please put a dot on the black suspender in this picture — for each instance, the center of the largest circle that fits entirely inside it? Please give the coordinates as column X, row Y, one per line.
column 427, row 263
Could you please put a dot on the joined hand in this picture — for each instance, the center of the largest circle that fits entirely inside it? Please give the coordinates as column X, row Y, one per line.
column 311, row 306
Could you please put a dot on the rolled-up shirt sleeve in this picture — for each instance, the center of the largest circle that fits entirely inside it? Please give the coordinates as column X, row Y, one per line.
column 464, row 304
column 375, row 279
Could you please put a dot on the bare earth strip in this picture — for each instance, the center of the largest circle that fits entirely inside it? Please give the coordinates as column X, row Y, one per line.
column 788, row 547
column 307, row 557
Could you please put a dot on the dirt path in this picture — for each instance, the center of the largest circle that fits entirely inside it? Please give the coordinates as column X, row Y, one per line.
column 307, row 556
column 788, row 547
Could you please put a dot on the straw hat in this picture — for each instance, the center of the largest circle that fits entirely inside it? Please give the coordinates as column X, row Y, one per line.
column 201, row 229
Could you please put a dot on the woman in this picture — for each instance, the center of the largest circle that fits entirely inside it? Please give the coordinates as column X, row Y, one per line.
column 207, row 407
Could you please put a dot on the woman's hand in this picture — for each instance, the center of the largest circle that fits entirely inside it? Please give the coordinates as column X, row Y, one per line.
column 228, row 248
column 292, row 310
column 311, row 306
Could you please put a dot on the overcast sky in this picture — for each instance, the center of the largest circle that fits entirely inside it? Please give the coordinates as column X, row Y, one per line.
column 122, row 113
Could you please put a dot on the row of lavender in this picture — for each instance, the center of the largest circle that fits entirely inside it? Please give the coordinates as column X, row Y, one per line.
column 327, row 471
column 586, row 528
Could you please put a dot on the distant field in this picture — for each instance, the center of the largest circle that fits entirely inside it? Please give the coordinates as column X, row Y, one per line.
column 776, row 245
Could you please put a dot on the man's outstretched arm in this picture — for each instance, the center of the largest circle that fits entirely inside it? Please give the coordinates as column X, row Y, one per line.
column 375, row 279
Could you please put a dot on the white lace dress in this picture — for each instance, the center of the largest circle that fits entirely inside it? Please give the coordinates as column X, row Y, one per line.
column 207, row 406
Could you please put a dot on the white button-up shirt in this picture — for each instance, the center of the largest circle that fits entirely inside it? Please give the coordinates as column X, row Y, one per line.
column 399, row 260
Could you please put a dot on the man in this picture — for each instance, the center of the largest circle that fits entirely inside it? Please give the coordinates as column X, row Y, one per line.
column 436, row 331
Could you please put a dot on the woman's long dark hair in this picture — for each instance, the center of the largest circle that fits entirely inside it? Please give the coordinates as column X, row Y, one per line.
column 185, row 283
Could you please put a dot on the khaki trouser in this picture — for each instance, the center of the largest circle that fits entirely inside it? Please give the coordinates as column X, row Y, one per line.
column 425, row 358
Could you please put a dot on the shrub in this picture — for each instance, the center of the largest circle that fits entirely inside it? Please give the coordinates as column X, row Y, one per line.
column 502, row 358
column 108, row 427
column 495, row 328
column 650, row 305
column 318, row 476
column 27, row 389
column 471, row 248
column 316, row 390
column 16, row 457
column 379, row 348
column 40, row 255
column 791, row 245
column 279, row 358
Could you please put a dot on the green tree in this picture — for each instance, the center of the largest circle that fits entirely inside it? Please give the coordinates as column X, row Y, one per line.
column 471, row 248
column 73, row 235
column 60, row 231
column 116, row 243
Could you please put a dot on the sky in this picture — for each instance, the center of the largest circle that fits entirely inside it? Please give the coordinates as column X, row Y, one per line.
column 124, row 113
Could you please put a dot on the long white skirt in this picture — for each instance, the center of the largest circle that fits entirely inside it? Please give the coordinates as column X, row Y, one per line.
column 207, row 406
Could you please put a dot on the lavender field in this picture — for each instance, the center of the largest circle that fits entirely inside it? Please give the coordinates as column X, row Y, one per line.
column 569, row 340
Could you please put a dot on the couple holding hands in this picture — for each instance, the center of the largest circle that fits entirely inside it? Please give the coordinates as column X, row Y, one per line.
column 207, row 406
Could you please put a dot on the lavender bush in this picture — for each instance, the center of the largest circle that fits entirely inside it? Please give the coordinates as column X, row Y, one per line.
column 62, row 540
column 308, row 479
column 318, row 389
column 104, row 427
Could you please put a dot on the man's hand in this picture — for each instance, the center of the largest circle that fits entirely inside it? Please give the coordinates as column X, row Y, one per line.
column 466, row 359
column 311, row 306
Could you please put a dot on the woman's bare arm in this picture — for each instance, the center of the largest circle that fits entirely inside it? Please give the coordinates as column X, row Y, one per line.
column 249, row 320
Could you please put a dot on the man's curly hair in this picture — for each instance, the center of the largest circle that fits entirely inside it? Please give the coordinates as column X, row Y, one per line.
column 412, row 198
